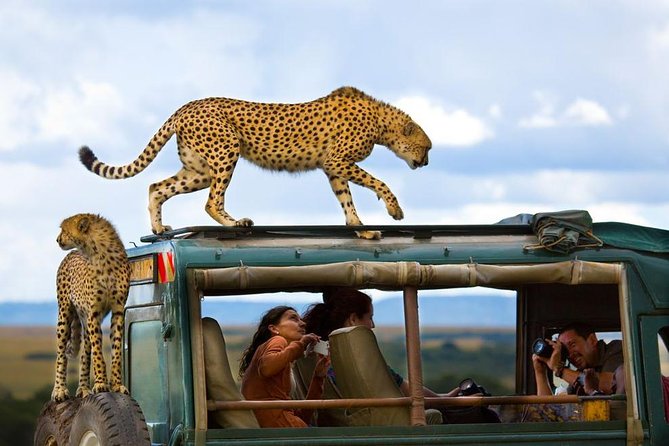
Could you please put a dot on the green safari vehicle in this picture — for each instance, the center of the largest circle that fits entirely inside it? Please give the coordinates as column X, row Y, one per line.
column 176, row 367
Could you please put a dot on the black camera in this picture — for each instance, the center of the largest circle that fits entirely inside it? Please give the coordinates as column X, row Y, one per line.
column 469, row 387
column 542, row 348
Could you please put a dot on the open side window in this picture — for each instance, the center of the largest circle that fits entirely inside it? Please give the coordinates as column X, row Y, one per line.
column 536, row 287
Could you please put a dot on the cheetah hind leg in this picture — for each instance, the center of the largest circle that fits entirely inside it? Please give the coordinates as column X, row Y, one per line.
column 221, row 175
column 215, row 206
column 60, row 392
column 183, row 182
column 115, row 335
column 369, row 235
column 84, row 388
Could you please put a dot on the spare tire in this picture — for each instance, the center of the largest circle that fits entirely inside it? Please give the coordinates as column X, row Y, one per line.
column 110, row 419
column 54, row 423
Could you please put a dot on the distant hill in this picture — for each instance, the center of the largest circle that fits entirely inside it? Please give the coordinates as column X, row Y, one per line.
column 17, row 313
column 479, row 311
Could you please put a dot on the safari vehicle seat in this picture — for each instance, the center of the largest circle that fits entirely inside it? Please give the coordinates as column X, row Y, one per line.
column 220, row 384
column 303, row 371
column 362, row 372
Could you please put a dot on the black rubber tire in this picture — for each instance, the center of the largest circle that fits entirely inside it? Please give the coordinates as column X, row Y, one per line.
column 54, row 423
column 112, row 418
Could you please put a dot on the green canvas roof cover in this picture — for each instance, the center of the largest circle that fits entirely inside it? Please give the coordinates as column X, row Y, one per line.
column 619, row 235
column 640, row 238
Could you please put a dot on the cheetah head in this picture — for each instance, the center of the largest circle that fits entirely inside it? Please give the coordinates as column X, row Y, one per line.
column 73, row 230
column 412, row 145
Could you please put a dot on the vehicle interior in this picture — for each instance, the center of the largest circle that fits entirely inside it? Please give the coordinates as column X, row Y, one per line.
column 545, row 297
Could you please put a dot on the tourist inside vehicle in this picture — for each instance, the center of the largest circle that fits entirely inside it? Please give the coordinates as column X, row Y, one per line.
column 265, row 366
column 598, row 365
column 349, row 307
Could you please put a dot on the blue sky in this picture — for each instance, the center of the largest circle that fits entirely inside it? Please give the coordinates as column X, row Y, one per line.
column 531, row 106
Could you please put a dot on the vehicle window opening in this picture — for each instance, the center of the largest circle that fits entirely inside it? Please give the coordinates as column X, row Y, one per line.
column 418, row 401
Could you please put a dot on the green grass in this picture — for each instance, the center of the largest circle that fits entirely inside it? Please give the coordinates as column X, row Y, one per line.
column 28, row 360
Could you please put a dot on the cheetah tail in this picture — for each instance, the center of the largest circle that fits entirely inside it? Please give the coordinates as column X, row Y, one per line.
column 91, row 162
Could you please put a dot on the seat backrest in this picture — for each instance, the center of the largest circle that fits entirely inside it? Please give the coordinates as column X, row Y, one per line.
column 362, row 372
column 220, row 384
column 303, row 371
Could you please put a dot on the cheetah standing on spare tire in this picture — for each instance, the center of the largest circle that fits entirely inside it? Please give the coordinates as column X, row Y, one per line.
column 332, row 133
column 92, row 280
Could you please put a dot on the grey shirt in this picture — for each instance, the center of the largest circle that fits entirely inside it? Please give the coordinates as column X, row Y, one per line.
column 610, row 356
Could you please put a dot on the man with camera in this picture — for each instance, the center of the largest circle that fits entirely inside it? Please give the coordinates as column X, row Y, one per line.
column 598, row 364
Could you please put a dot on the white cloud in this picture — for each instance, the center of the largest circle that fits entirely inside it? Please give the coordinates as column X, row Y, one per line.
column 457, row 128
column 67, row 114
column 82, row 113
column 89, row 80
column 18, row 103
column 581, row 112
column 587, row 113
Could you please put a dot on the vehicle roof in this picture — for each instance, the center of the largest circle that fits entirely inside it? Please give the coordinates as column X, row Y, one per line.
column 614, row 234
column 645, row 250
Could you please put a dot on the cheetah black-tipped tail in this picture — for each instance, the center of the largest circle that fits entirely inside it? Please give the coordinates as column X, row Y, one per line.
column 87, row 157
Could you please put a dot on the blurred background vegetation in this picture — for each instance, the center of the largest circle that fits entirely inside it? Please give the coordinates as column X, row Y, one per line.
column 27, row 364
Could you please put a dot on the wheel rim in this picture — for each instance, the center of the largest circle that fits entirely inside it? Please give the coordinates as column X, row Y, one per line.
column 89, row 439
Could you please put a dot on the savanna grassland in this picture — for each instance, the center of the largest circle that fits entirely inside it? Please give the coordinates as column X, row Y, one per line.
column 27, row 364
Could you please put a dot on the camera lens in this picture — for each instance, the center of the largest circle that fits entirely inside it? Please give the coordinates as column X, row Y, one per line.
column 468, row 387
column 542, row 348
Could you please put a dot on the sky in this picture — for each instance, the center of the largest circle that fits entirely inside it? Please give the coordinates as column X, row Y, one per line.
column 531, row 107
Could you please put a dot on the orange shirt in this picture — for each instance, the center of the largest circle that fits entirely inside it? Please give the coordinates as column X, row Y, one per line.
column 268, row 378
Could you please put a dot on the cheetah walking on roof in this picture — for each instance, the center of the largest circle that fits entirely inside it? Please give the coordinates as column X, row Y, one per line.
column 92, row 281
column 332, row 133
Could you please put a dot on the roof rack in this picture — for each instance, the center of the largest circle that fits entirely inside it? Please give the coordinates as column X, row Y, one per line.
column 417, row 231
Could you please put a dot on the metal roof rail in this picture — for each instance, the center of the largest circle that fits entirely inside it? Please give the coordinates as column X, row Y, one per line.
column 416, row 231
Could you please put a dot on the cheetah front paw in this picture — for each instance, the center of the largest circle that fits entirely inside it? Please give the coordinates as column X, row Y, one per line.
column 396, row 212
column 60, row 394
column 120, row 388
column 244, row 223
column 83, row 391
column 393, row 207
column 100, row 387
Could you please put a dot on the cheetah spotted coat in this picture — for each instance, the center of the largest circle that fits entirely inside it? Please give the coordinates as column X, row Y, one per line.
column 92, row 281
column 332, row 133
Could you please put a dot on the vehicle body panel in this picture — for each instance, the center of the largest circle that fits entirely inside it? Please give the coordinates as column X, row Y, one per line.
column 159, row 317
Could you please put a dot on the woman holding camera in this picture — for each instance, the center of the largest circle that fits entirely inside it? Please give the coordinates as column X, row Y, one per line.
column 280, row 339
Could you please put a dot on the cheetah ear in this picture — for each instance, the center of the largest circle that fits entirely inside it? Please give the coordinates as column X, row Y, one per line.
column 409, row 128
column 83, row 225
